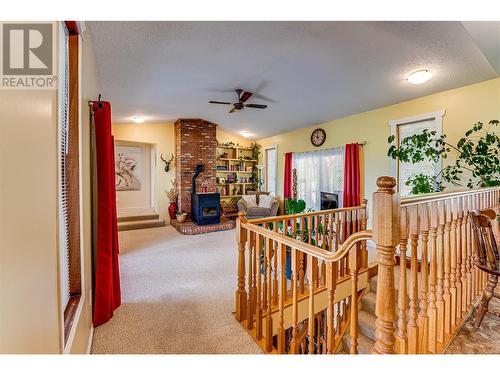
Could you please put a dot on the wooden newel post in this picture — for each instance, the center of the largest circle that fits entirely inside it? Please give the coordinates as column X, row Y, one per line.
column 386, row 232
column 241, row 294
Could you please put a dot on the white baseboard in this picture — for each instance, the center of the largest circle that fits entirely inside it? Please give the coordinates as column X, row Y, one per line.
column 91, row 337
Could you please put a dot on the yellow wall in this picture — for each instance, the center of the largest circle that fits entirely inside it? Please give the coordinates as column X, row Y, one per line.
column 464, row 106
column 30, row 309
column 162, row 134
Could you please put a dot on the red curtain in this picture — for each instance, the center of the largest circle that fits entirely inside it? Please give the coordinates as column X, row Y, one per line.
column 107, row 274
column 352, row 183
column 287, row 181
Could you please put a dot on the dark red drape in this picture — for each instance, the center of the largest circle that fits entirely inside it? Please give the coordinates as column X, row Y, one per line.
column 352, row 183
column 107, row 273
column 287, row 181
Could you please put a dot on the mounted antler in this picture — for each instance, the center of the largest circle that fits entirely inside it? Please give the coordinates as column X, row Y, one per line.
column 167, row 163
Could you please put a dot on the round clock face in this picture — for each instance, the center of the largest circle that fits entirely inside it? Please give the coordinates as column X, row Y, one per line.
column 318, row 137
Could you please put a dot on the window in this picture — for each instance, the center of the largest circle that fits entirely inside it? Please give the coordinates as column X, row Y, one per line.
column 271, row 167
column 319, row 171
column 405, row 128
column 69, row 184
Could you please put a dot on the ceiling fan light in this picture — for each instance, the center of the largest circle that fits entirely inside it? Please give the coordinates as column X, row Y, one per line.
column 138, row 119
column 246, row 133
column 419, row 77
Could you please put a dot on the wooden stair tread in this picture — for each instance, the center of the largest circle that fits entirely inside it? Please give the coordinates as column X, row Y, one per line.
column 140, row 224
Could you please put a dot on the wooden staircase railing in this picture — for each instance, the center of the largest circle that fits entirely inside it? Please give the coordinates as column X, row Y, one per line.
column 306, row 273
column 302, row 273
column 442, row 284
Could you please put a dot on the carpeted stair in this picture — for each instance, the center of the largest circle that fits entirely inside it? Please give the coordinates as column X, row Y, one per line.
column 366, row 318
column 139, row 220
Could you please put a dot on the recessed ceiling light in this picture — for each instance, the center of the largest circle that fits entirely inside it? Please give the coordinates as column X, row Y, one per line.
column 246, row 133
column 420, row 76
column 138, row 119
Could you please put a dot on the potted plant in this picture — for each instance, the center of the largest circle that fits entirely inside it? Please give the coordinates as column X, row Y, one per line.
column 181, row 216
column 172, row 196
column 476, row 153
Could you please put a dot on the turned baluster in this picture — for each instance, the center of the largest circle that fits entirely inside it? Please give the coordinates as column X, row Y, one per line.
column 453, row 263
column 353, row 270
column 329, row 227
column 294, row 344
column 401, row 334
column 413, row 330
column 241, row 294
column 274, row 254
column 433, row 215
column 259, row 293
column 331, row 283
column 331, row 233
column 458, row 266
column 316, row 227
column 423, row 317
column 386, row 222
column 468, row 241
column 440, row 273
column 251, row 251
column 268, row 329
column 364, row 219
column 282, row 296
column 310, row 283
column 301, row 258
column 447, row 269
column 337, row 230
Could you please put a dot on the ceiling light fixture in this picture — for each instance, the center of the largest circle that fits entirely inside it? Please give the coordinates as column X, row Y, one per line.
column 420, row 76
column 246, row 133
column 138, row 119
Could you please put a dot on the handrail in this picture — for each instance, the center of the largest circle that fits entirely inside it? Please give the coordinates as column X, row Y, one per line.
column 305, row 214
column 435, row 197
column 315, row 251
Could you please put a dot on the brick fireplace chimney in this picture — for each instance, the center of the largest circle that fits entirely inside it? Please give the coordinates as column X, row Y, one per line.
column 195, row 143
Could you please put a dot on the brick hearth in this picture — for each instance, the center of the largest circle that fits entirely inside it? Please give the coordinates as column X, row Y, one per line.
column 195, row 143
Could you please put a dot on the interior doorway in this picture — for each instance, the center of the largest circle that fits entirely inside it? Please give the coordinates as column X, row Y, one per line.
column 135, row 176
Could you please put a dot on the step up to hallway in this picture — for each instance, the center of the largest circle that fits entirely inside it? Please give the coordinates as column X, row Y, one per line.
column 131, row 219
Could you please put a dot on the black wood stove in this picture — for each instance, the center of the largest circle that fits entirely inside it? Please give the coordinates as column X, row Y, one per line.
column 205, row 207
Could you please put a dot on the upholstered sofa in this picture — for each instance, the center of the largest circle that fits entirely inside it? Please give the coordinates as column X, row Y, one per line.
column 258, row 212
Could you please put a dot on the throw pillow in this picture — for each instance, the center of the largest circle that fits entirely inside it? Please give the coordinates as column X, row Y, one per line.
column 266, row 201
column 250, row 200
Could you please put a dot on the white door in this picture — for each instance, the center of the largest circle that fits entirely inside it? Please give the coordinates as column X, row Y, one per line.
column 271, row 167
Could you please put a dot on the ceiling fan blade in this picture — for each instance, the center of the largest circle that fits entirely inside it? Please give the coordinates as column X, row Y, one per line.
column 260, row 106
column 215, row 102
column 233, row 110
column 245, row 96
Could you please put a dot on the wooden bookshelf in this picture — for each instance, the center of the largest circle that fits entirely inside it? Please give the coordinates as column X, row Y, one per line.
column 236, row 160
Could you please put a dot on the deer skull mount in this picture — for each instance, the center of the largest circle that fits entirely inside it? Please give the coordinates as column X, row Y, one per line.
column 167, row 162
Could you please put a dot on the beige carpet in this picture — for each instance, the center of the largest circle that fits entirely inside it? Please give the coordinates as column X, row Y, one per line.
column 177, row 296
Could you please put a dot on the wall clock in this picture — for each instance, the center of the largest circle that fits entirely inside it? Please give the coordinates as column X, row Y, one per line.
column 318, row 137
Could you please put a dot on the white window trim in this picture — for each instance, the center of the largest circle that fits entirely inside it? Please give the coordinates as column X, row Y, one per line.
column 266, row 187
column 66, row 347
column 437, row 116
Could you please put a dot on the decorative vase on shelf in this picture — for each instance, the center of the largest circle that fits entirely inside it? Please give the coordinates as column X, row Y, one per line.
column 172, row 209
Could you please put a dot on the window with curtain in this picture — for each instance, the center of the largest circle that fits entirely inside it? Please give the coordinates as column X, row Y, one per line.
column 319, row 171
column 406, row 128
column 69, row 187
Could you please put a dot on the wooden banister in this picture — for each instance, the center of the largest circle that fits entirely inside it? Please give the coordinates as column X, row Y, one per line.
column 386, row 232
column 300, row 277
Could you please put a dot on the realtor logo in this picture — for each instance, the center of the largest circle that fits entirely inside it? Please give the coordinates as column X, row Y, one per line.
column 27, row 56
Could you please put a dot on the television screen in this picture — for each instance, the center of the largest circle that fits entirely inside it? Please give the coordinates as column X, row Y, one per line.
column 329, row 201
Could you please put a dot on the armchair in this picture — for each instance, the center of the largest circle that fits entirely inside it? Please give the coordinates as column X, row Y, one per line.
column 258, row 212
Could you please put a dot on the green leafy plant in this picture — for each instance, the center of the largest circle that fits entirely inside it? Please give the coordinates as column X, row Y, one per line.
column 294, row 206
column 257, row 182
column 478, row 152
